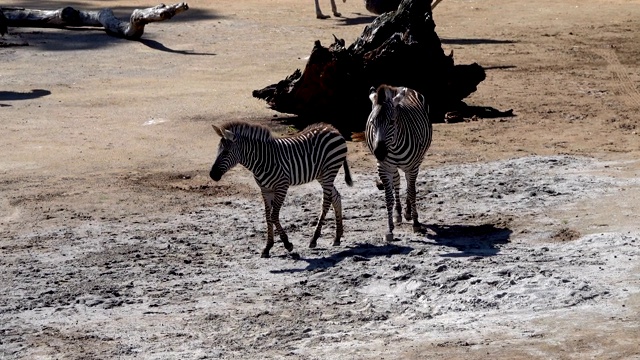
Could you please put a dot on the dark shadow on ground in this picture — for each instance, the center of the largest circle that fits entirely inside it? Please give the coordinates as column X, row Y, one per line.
column 485, row 112
column 457, row 113
column 14, row 95
column 475, row 41
column 67, row 39
column 462, row 112
column 469, row 240
column 362, row 19
column 73, row 39
column 499, row 67
column 359, row 252
column 158, row 46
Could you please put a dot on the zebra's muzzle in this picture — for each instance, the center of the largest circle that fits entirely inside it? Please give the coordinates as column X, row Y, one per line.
column 215, row 174
column 380, row 151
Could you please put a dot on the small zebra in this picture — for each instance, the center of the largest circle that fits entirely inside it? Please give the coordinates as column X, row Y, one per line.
column 398, row 133
column 334, row 9
column 316, row 152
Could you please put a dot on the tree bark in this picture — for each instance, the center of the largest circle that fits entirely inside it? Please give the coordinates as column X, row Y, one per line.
column 380, row 7
column 398, row 48
column 70, row 17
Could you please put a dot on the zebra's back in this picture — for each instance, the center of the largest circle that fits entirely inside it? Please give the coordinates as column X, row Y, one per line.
column 317, row 151
column 416, row 128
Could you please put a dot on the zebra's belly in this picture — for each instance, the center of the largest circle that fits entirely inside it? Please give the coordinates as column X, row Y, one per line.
column 304, row 178
column 402, row 164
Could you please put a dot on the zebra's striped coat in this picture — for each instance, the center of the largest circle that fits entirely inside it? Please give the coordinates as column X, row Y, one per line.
column 398, row 132
column 316, row 153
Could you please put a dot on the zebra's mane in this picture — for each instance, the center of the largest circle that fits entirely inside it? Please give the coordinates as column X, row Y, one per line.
column 247, row 130
column 314, row 126
column 260, row 132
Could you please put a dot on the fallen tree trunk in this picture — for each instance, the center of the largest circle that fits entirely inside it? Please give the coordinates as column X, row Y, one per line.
column 398, row 48
column 70, row 17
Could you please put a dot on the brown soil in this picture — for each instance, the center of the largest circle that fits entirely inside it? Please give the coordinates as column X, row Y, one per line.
column 114, row 243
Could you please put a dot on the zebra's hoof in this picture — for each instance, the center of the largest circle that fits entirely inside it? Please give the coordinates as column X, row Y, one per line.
column 397, row 219
column 288, row 246
column 407, row 216
column 313, row 244
column 265, row 255
column 418, row 228
column 322, row 16
column 336, row 242
column 388, row 237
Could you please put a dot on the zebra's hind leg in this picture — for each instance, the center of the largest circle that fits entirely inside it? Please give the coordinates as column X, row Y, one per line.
column 337, row 209
column 411, row 212
column 326, row 202
column 334, row 8
column 319, row 13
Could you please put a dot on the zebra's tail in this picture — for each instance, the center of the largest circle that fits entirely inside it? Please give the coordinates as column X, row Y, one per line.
column 347, row 173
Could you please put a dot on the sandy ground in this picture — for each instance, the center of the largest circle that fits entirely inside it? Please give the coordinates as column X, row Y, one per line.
column 115, row 244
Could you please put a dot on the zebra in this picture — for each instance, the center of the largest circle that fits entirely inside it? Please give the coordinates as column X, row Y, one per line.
column 398, row 133
column 334, row 9
column 317, row 152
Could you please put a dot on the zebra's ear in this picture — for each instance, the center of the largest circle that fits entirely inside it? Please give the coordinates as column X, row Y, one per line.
column 399, row 96
column 373, row 96
column 229, row 135
column 217, row 129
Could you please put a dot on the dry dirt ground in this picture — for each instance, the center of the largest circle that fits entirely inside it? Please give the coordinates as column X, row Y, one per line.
column 115, row 244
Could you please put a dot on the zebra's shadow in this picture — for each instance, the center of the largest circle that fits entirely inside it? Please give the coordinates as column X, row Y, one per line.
column 160, row 47
column 358, row 252
column 469, row 240
column 360, row 19
column 15, row 95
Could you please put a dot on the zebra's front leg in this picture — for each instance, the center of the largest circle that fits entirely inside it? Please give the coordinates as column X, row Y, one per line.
column 387, row 182
column 411, row 212
column 278, row 200
column 326, row 202
column 397, row 215
column 267, row 196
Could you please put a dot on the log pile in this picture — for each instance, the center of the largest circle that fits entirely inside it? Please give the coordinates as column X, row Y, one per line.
column 399, row 48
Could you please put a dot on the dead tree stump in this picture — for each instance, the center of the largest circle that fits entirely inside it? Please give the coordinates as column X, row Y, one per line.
column 398, row 48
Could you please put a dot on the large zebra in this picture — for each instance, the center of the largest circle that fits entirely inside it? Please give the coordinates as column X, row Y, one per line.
column 317, row 153
column 398, row 133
